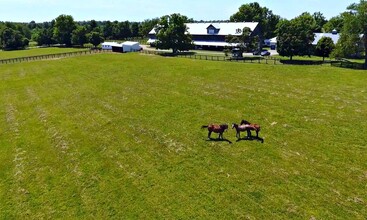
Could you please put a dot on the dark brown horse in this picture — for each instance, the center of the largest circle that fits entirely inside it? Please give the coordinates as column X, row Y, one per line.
column 216, row 129
column 251, row 127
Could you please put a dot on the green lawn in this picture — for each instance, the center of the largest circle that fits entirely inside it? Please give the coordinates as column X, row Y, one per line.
column 118, row 136
column 35, row 52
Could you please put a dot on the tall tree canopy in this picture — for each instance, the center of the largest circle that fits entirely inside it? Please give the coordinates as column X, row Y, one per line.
column 335, row 23
column 63, row 28
column 320, row 21
column 172, row 33
column 295, row 37
column 254, row 12
column 358, row 22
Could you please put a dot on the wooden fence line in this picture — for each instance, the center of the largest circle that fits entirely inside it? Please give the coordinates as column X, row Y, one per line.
column 269, row 60
column 50, row 56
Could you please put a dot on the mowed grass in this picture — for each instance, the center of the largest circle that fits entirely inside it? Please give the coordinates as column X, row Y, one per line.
column 118, row 136
column 35, row 52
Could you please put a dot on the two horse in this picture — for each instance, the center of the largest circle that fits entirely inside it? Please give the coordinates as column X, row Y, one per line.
column 246, row 126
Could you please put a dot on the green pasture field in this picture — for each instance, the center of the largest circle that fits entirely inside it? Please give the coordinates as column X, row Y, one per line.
column 119, row 136
column 35, row 52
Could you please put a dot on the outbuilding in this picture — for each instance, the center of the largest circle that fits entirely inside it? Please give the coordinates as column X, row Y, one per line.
column 130, row 46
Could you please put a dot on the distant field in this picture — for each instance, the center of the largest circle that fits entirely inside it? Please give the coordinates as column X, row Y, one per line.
column 35, row 52
column 118, row 136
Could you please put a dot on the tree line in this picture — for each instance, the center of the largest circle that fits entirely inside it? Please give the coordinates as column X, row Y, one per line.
column 64, row 30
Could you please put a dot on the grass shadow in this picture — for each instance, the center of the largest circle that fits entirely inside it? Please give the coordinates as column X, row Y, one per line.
column 251, row 138
column 219, row 140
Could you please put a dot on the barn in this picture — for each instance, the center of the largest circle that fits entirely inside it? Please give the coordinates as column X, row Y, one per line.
column 130, row 46
column 213, row 35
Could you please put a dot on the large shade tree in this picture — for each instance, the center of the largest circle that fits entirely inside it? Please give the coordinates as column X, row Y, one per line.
column 172, row 33
column 295, row 37
column 254, row 12
column 63, row 28
column 358, row 21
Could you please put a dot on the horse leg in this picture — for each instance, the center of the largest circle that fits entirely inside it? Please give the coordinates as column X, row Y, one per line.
column 209, row 134
column 238, row 135
column 257, row 133
column 248, row 133
column 220, row 136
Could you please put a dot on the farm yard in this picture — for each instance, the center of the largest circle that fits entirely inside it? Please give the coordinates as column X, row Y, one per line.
column 119, row 135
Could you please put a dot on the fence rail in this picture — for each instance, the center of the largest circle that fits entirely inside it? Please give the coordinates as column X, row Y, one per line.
column 51, row 56
column 349, row 65
column 263, row 60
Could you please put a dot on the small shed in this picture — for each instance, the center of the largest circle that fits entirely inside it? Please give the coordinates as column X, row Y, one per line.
column 130, row 46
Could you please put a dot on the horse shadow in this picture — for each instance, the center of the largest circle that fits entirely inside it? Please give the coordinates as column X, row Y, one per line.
column 251, row 138
column 219, row 140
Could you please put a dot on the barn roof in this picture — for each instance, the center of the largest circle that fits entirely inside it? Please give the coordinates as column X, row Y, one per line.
column 225, row 28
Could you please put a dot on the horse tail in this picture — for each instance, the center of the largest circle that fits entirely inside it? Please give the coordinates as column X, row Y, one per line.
column 204, row 126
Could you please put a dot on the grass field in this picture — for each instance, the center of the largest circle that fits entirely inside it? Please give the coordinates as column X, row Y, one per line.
column 35, row 52
column 118, row 136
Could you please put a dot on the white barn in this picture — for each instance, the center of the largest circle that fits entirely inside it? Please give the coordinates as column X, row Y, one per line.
column 130, row 46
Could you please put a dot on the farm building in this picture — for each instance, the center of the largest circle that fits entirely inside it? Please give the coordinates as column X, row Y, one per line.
column 108, row 45
column 212, row 35
column 127, row 46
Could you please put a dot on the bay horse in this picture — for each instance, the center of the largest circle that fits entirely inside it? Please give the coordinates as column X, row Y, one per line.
column 251, row 127
column 216, row 129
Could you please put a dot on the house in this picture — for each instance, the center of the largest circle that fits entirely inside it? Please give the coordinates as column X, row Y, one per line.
column 213, row 35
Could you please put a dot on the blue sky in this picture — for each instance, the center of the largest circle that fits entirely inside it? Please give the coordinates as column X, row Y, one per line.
column 139, row 10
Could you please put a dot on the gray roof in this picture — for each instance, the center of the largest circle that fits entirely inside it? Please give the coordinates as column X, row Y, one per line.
column 318, row 36
column 225, row 28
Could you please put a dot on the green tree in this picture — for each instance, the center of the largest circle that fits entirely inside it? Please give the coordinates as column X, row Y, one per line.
column 108, row 30
column 349, row 42
column 254, row 12
column 43, row 36
column 147, row 26
column 245, row 41
column 172, row 33
column 135, row 29
column 324, row 47
column 359, row 21
column 320, row 21
column 79, row 36
column 95, row 38
column 295, row 37
column 63, row 28
column 12, row 39
column 335, row 23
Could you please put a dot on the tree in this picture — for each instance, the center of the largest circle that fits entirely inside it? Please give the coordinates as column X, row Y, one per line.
column 324, row 47
column 108, row 30
column 335, row 23
column 172, row 33
column 359, row 21
column 254, row 12
column 135, row 29
column 147, row 26
column 295, row 37
column 95, row 38
column 320, row 21
column 12, row 39
column 43, row 36
column 64, row 26
column 244, row 41
column 79, row 36
column 349, row 42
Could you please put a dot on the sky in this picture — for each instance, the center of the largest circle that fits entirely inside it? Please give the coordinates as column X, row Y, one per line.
column 139, row 10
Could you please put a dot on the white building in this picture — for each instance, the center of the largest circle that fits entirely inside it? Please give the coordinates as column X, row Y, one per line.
column 212, row 35
column 130, row 46
column 108, row 45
